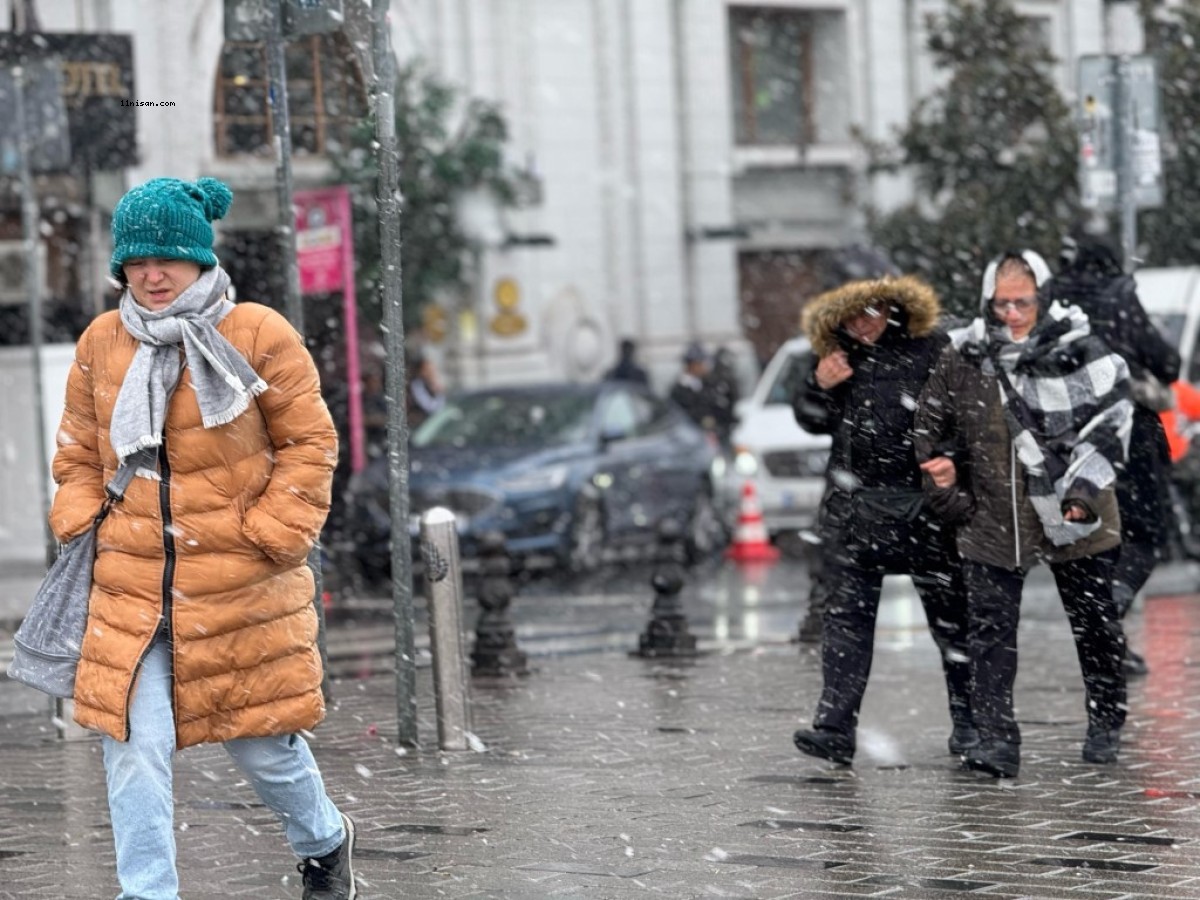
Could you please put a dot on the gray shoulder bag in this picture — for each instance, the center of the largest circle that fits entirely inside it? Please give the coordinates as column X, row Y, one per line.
column 46, row 646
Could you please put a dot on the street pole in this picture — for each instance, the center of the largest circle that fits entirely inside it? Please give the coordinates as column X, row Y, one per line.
column 33, row 292
column 59, row 709
column 282, row 127
column 286, row 231
column 388, row 203
column 1126, row 189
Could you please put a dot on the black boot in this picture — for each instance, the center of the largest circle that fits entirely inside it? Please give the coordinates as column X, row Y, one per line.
column 811, row 628
column 1101, row 745
column 999, row 758
column 1134, row 664
column 962, row 738
column 825, row 743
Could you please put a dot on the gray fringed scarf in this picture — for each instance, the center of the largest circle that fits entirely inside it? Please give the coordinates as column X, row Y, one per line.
column 223, row 380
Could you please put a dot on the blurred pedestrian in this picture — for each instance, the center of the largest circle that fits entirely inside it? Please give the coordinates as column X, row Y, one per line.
column 626, row 367
column 724, row 393
column 877, row 341
column 425, row 395
column 1091, row 278
column 691, row 392
column 375, row 411
column 1180, row 417
column 201, row 626
column 1179, row 423
column 1042, row 407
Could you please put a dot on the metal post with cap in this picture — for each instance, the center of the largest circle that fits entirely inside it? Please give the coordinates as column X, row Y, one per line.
column 443, row 574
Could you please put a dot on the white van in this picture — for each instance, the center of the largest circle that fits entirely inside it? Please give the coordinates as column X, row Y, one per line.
column 1171, row 297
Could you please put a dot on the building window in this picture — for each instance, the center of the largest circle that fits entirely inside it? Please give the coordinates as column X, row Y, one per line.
column 326, row 97
column 772, row 76
column 1041, row 31
column 790, row 78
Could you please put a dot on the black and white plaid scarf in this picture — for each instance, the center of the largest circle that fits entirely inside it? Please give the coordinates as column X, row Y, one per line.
column 1077, row 392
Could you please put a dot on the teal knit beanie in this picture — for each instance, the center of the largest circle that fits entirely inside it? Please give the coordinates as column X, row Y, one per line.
column 166, row 218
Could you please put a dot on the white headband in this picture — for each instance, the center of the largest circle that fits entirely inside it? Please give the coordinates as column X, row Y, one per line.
column 1037, row 265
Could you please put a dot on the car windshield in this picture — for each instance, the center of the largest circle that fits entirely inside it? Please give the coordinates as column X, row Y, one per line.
column 516, row 419
column 788, row 379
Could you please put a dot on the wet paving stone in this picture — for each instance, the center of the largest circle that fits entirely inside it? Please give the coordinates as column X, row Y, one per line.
column 1120, row 838
column 930, row 884
column 1105, row 865
column 597, row 779
column 778, row 862
column 455, row 830
column 793, row 825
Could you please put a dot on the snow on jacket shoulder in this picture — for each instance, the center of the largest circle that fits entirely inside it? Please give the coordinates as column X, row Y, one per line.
column 218, row 545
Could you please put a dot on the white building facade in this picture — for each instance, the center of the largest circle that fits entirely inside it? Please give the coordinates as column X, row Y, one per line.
column 695, row 158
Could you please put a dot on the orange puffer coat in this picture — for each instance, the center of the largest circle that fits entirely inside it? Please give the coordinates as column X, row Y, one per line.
column 218, row 546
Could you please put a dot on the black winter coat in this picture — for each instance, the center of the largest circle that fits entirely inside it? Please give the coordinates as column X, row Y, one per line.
column 872, row 462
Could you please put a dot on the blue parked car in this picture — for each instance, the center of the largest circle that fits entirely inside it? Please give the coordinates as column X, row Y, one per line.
column 564, row 471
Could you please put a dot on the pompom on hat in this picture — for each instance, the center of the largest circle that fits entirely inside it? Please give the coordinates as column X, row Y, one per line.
column 166, row 218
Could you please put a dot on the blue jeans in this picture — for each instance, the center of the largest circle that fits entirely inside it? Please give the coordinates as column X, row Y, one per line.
column 141, row 799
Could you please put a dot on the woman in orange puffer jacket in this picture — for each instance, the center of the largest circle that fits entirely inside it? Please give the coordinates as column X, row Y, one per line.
column 201, row 626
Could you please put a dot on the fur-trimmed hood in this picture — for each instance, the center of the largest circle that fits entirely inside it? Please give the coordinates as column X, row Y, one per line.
column 824, row 314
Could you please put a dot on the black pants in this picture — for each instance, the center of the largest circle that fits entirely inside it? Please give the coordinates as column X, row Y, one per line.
column 849, row 640
column 994, row 607
column 1132, row 571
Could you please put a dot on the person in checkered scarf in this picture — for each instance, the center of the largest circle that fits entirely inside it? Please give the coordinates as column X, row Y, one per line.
column 1041, row 409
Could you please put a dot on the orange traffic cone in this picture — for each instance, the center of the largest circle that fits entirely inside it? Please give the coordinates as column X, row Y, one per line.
column 750, row 540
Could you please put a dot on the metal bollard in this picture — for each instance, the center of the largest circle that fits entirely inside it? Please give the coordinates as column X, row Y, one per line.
column 496, row 652
column 443, row 574
column 667, row 631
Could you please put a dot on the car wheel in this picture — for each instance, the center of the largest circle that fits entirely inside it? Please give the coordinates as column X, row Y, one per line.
column 586, row 544
column 706, row 533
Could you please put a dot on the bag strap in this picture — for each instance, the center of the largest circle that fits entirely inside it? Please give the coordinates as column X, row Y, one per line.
column 115, row 490
column 1055, row 465
column 120, row 481
column 1015, row 401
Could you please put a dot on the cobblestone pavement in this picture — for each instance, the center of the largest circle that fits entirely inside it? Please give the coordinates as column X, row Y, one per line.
column 605, row 776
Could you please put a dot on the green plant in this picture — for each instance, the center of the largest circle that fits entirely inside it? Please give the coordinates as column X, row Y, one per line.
column 447, row 145
column 992, row 152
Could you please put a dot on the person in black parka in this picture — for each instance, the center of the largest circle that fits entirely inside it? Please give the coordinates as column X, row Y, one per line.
column 626, row 367
column 877, row 342
column 1091, row 278
column 691, row 390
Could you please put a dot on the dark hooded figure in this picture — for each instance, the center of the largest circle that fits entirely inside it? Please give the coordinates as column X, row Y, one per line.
column 627, row 368
column 877, row 342
column 1092, row 279
column 722, row 383
column 853, row 262
column 1041, row 407
column 691, row 391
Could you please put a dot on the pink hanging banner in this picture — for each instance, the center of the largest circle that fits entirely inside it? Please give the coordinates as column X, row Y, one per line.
column 325, row 257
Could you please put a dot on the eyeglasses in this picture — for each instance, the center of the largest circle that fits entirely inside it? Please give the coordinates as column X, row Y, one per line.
column 1021, row 304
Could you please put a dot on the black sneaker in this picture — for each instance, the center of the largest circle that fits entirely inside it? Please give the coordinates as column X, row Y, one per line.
column 1102, row 745
column 332, row 877
column 825, row 744
column 962, row 739
column 999, row 758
